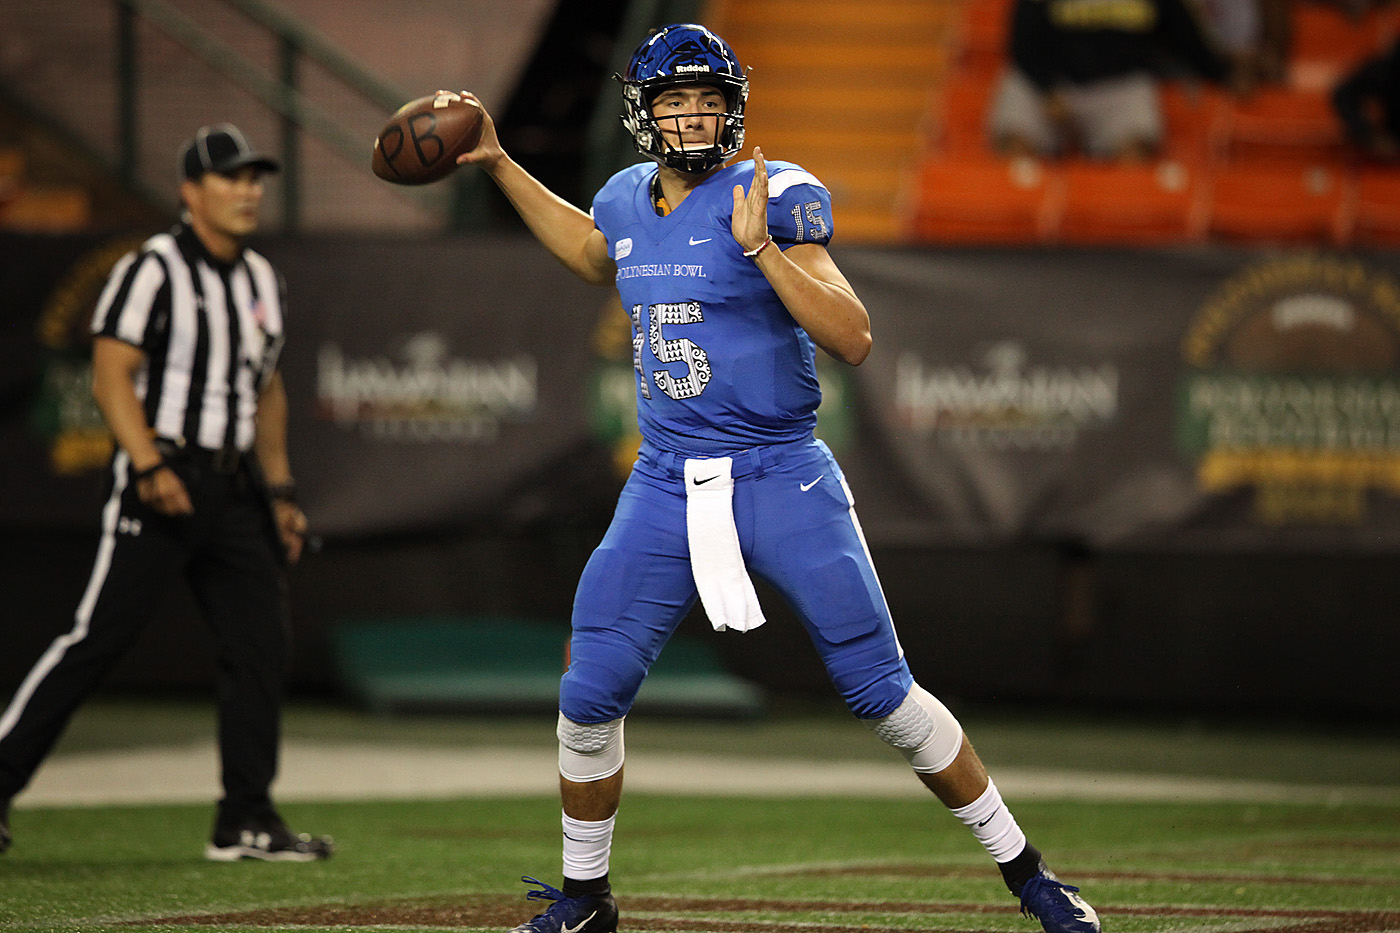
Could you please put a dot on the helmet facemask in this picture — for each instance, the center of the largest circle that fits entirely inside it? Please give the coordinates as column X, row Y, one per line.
column 684, row 55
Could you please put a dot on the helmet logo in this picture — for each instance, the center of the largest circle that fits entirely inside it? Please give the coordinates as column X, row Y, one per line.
column 689, row 58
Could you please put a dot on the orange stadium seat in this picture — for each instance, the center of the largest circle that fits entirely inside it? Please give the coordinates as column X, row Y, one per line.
column 983, row 36
column 961, row 115
column 1153, row 203
column 1279, row 202
column 1283, row 123
column 1377, row 207
column 1195, row 117
column 46, row 209
column 980, row 199
column 1327, row 42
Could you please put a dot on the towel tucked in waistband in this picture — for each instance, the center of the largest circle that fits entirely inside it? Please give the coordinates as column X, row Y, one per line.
column 726, row 591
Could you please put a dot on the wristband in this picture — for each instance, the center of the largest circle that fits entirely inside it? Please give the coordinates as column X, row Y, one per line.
column 753, row 253
column 149, row 471
column 283, row 492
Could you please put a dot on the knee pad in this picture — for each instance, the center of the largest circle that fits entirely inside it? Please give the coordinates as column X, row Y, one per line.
column 923, row 730
column 589, row 751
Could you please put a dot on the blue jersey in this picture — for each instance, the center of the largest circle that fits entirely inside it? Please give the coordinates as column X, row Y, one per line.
column 721, row 364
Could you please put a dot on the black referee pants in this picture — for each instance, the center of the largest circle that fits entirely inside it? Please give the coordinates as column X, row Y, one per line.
column 225, row 552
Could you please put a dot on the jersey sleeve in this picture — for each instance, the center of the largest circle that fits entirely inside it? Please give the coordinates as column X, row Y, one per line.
column 134, row 304
column 611, row 202
column 799, row 208
column 598, row 213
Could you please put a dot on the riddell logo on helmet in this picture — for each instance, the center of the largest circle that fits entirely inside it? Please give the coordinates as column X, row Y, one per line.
column 701, row 67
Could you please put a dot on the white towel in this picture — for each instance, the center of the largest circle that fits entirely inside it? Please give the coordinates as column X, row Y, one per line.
column 725, row 588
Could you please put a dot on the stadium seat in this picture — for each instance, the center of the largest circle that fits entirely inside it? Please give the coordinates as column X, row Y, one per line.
column 1279, row 203
column 1283, row 123
column 1195, row 117
column 1154, row 203
column 981, row 199
column 960, row 115
column 46, row 209
column 983, row 35
column 1327, row 42
column 1376, row 220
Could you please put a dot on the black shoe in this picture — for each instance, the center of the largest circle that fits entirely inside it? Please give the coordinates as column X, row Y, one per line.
column 4, row 824
column 268, row 842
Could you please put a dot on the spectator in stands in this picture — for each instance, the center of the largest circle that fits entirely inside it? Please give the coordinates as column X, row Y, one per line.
column 1367, row 102
column 1254, row 34
column 1084, row 75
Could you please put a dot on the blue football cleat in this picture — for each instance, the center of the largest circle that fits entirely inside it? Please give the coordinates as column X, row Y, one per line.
column 1057, row 905
column 588, row 914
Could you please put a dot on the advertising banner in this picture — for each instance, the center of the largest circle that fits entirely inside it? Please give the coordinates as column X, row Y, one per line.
column 438, row 382
column 431, row 383
column 1195, row 398
column 1211, row 398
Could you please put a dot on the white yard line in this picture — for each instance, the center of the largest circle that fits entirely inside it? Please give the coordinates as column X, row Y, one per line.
column 347, row 771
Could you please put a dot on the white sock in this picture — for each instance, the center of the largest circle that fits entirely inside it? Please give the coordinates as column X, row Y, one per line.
column 587, row 847
column 992, row 823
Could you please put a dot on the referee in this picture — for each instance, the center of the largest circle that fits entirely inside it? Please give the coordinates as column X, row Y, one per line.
column 187, row 335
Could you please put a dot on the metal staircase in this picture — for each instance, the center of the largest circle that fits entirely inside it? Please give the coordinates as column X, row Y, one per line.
column 123, row 82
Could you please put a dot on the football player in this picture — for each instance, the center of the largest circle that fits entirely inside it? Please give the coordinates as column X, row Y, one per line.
column 725, row 272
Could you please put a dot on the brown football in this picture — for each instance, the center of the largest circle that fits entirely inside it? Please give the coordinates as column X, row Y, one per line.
column 422, row 140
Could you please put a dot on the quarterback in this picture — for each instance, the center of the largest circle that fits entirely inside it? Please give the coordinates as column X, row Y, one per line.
column 725, row 273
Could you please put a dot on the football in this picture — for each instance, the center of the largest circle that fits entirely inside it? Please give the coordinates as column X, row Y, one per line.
column 422, row 140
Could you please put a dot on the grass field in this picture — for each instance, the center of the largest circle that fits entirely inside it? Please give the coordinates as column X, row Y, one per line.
column 1326, row 861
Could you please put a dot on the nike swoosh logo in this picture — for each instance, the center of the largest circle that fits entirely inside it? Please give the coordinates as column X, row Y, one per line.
column 565, row 928
column 806, row 486
column 989, row 819
column 700, row 482
column 693, row 242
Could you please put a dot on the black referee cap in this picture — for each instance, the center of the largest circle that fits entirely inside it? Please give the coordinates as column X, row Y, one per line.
column 221, row 148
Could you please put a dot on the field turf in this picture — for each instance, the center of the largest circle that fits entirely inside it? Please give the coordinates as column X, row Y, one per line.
column 751, row 864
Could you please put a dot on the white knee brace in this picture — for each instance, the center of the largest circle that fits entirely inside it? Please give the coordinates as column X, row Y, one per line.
column 923, row 730
column 589, row 751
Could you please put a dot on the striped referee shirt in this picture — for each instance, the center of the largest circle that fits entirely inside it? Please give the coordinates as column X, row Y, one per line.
column 211, row 332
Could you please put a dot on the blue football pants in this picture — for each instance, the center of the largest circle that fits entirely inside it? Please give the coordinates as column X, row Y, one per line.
column 797, row 532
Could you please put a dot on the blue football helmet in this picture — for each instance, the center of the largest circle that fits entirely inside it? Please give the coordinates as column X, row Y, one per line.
column 684, row 53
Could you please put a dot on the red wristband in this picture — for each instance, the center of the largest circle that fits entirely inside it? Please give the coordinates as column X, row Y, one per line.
column 753, row 253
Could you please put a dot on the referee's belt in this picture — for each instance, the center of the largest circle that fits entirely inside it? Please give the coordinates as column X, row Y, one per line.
column 223, row 460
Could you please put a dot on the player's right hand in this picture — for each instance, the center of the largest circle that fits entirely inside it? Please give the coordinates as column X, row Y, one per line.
column 488, row 151
column 165, row 492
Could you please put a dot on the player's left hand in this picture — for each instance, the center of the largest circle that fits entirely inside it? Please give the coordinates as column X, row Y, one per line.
column 291, row 529
column 750, row 220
